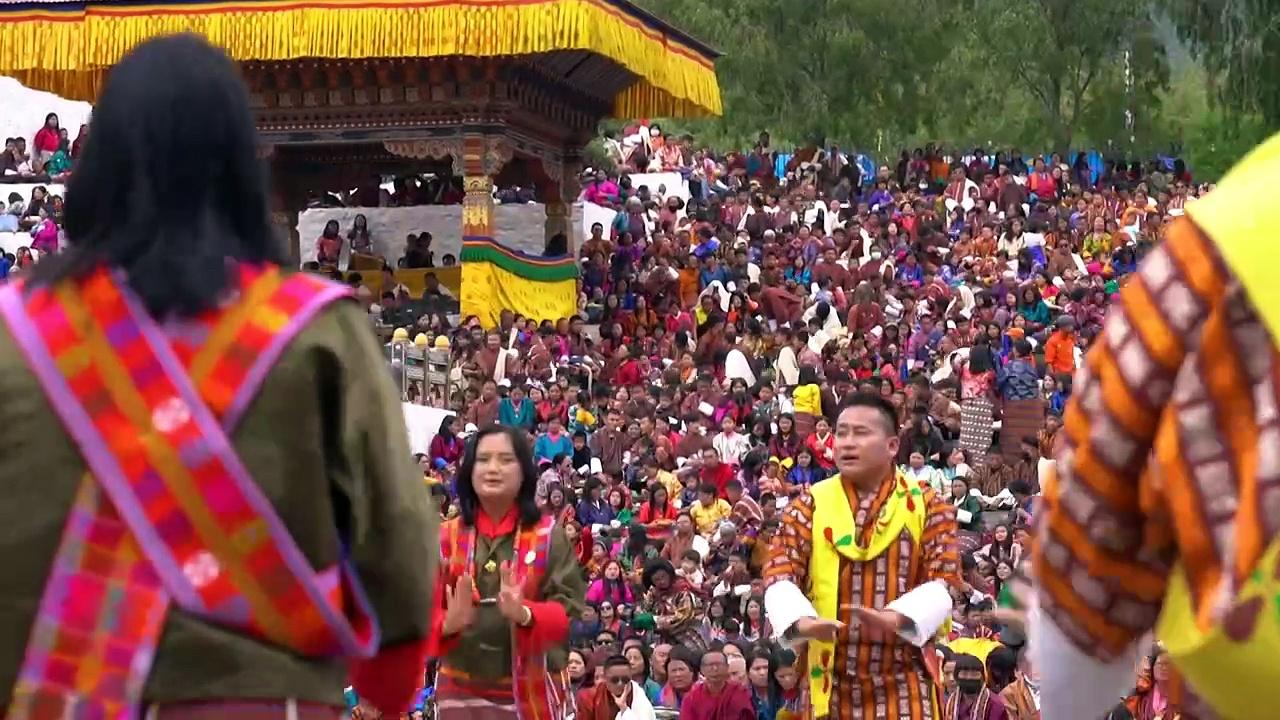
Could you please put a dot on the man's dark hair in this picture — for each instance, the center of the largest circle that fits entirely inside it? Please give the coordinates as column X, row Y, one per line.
column 708, row 488
column 875, row 402
column 617, row 661
column 686, row 656
column 1020, row 487
column 713, row 651
column 965, row 661
column 1002, row 667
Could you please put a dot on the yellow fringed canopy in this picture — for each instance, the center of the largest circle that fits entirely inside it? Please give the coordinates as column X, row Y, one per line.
column 66, row 47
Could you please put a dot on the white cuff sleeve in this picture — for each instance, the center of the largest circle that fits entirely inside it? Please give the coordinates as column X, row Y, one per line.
column 784, row 604
column 927, row 606
column 1064, row 670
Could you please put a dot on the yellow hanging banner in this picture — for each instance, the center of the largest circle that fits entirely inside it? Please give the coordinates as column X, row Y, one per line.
column 495, row 278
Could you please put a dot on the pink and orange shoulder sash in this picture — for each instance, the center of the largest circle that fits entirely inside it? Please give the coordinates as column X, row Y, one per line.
column 167, row 513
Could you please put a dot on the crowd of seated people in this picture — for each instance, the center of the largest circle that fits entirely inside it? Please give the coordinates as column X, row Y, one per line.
column 962, row 287
column 49, row 159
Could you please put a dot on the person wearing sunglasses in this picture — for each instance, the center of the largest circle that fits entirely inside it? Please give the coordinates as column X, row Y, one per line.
column 619, row 697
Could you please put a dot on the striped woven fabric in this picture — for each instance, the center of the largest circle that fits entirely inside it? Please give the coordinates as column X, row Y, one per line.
column 167, row 512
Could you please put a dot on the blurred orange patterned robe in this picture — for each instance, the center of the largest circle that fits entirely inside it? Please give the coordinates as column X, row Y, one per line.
column 1169, row 492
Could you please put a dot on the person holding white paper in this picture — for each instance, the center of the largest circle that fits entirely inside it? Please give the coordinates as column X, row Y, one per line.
column 859, row 572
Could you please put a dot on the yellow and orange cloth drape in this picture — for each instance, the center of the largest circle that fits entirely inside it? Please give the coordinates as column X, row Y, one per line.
column 66, row 47
column 495, row 278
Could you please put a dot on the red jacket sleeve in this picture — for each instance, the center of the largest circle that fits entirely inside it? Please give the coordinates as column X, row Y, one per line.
column 390, row 679
column 550, row 626
column 439, row 645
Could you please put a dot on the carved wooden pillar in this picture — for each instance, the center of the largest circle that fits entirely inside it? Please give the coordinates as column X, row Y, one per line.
column 482, row 158
column 558, row 187
column 477, row 206
column 568, row 186
column 288, row 200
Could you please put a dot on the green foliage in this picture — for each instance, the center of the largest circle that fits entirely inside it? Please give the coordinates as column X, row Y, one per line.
column 1211, row 137
column 1216, row 141
column 1239, row 43
column 835, row 70
column 1036, row 74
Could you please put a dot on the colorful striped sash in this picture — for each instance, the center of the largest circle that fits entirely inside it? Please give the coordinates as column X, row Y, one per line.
column 536, row 692
column 167, row 512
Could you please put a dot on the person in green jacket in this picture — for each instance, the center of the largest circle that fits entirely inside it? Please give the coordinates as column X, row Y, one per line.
column 516, row 410
column 1033, row 307
column 968, row 509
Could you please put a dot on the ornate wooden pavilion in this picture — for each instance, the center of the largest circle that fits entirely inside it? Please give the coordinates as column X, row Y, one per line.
column 495, row 91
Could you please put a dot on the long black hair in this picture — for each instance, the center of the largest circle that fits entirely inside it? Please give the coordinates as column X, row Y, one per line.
column 980, row 356
column 169, row 187
column 526, row 502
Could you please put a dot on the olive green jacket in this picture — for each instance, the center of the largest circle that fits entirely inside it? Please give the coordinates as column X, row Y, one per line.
column 483, row 650
column 325, row 439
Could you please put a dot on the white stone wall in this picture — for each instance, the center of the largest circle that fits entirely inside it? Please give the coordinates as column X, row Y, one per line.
column 24, row 111
column 520, row 227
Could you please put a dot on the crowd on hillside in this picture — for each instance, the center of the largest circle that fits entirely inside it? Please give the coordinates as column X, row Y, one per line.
column 695, row 392
column 963, row 288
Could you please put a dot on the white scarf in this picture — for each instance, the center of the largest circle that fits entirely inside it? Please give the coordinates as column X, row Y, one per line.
column 640, row 708
column 736, row 366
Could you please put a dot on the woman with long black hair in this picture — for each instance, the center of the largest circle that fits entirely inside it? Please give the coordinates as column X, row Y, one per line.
column 509, row 585
column 977, row 398
column 225, row 423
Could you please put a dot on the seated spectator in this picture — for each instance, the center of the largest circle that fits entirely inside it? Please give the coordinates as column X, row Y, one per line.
column 329, row 246
column 13, row 211
column 968, row 509
column 611, row 587
column 709, row 510
column 972, row 699
column 617, row 696
column 358, row 236
column 46, row 141
column 715, row 698
column 446, row 446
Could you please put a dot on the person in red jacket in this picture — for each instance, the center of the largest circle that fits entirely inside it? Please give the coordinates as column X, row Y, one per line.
column 47, row 139
column 717, row 697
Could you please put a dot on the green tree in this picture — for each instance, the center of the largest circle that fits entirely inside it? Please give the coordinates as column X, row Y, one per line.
column 837, row 70
column 1083, row 62
column 1239, row 43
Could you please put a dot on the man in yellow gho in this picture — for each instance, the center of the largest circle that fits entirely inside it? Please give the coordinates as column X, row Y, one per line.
column 859, row 573
column 1165, row 510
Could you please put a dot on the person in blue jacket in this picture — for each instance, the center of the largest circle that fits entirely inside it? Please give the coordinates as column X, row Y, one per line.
column 555, row 441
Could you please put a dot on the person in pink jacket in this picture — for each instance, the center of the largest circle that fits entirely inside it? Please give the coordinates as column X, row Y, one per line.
column 611, row 587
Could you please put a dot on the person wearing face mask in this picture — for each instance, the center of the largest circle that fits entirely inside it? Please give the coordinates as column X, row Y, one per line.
column 619, row 697
column 973, row 700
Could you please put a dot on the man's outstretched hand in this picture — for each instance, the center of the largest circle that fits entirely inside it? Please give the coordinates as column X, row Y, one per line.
column 887, row 620
column 820, row 629
column 881, row 624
